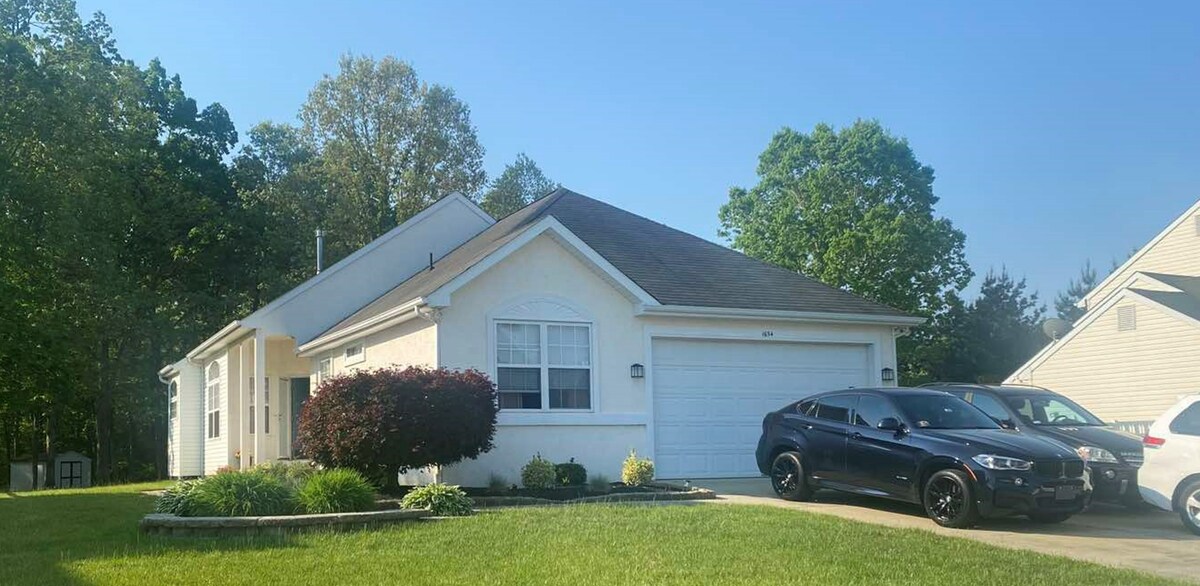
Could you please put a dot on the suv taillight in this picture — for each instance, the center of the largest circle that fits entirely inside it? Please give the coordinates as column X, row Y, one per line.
column 1153, row 442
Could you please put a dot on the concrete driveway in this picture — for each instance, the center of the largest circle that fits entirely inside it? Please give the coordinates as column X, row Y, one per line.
column 1150, row 540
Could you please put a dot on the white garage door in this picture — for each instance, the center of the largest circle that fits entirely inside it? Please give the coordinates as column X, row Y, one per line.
column 710, row 397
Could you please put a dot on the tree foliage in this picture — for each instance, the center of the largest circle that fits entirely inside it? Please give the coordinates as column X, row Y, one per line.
column 521, row 183
column 385, row 421
column 853, row 208
column 1064, row 303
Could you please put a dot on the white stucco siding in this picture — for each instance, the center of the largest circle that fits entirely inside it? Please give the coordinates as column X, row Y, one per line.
column 1124, row 375
column 1177, row 253
column 409, row 343
column 600, row 449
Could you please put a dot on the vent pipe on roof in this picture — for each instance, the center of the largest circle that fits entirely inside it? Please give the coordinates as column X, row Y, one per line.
column 320, row 249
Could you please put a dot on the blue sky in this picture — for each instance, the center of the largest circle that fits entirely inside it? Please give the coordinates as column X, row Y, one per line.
column 1059, row 131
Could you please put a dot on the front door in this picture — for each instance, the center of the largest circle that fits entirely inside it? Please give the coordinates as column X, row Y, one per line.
column 300, row 392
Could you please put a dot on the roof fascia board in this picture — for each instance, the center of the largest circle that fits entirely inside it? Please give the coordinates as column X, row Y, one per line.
column 223, row 334
column 354, row 256
column 805, row 316
column 399, row 314
column 1191, row 211
column 441, row 296
column 1137, row 296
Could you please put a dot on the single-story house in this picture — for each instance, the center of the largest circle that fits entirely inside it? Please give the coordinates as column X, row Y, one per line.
column 604, row 332
column 1137, row 349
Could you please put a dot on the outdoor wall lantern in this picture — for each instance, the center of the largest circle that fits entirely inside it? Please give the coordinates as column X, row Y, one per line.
column 637, row 371
column 889, row 375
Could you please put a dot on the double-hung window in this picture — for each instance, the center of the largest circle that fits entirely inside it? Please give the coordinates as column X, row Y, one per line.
column 173, row 401
column 213, row 394
column 544, row 366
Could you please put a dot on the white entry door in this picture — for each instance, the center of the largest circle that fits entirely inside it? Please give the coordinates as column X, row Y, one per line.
column 710, row 397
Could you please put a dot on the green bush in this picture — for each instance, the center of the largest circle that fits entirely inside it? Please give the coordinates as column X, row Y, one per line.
column 538, row 473
column 293, row 473
column 242, row 494
column 339, row 490
column 636, row 471
column 570, row 473
column 599, row 483
column 443, row 500
column 497, row 483
column 179, row 498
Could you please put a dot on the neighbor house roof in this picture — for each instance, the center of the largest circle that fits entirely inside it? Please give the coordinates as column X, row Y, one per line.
column 1185, row 304
column 674, row 267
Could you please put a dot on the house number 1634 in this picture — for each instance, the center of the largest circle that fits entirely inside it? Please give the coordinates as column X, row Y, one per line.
column 768, row 334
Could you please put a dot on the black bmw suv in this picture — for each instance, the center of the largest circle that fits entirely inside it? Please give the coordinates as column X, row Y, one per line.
column 922, row 446
column 1113, row 456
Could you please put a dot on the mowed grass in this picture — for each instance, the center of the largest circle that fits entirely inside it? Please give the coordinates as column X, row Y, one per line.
column 90, row 537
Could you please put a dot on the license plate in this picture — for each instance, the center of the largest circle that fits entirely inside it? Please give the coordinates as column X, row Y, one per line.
column 1065, row 493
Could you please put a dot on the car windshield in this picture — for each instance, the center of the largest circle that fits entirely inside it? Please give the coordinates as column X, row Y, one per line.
column 943, row 412
column 1052, row 410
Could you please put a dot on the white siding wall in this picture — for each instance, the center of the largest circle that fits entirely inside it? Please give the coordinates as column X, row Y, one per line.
column 216, row 450
column 1178, row 253
column 186, row 441
column 1125, row 376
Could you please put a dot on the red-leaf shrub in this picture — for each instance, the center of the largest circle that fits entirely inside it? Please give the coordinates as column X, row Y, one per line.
column 385, row 421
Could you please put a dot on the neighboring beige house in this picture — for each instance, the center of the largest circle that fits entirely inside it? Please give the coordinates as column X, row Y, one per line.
column 1137, row 349
column 603, row 330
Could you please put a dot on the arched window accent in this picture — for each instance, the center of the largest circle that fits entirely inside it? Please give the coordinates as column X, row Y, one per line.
column 213, row 400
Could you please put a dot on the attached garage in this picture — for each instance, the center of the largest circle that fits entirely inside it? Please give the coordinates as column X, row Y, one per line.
column 710, row 396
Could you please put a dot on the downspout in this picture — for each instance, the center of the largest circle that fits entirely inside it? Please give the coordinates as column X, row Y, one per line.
column 170, row 444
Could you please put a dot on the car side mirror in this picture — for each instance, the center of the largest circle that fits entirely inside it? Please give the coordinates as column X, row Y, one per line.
column 1007, row 424
column 890, row 424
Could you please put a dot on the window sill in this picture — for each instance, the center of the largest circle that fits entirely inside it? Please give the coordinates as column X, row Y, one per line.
column 514, row 417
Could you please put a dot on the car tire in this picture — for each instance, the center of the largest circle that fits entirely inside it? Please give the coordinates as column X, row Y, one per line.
column 1189, row 506
column 949, row 499
column 1049, row 518
column 788, row 479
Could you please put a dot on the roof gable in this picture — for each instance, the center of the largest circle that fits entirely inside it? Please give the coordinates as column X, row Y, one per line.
column 1174, row 250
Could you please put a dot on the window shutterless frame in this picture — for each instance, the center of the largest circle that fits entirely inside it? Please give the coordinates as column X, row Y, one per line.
column 544, row 366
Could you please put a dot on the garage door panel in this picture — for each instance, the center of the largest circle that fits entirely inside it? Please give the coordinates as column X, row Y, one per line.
column 710, row 397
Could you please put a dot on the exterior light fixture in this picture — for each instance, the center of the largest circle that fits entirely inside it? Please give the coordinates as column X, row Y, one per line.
column 637, row 371
column 889, row 375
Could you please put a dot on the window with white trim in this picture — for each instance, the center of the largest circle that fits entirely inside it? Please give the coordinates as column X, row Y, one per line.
column 544, row 366
column 213, row 400
column 324, row 369
column 173, row 400
column 267, row 405
column 355, row 353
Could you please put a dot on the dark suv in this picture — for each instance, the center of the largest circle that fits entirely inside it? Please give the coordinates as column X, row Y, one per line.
column 921, row 446
column 1113, row 456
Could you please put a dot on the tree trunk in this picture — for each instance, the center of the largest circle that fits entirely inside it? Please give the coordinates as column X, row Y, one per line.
column 52, row 448
column 104, row 419
column 34, row 449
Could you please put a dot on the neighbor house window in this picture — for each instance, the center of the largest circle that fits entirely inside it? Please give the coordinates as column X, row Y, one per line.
column 172, row 400
column 544, row 365
column 213, row 395
column 324, row 369
column 355, row 354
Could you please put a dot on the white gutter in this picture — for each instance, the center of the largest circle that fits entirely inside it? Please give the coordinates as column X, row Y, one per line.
column 774, row 314
column 401, row 313
column 225, row 332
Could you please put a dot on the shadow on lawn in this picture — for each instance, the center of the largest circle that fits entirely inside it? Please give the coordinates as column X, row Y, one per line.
column 43, row 534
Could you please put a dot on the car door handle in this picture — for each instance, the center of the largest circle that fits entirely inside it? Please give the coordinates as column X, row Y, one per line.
column 806, row 425
column 856, row 436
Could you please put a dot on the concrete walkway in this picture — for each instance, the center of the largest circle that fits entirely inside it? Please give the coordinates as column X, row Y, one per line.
column 1149, row 540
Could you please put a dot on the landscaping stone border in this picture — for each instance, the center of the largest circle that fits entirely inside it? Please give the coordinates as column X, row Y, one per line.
column 670, row 493
column 176, row 526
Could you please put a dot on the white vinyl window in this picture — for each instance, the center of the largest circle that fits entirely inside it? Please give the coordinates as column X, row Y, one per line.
column 544, row 366
column 213, row 396
column 266, row 406
column 324, row 369
column 173, row 400
column 250, row 410
column 355, row 353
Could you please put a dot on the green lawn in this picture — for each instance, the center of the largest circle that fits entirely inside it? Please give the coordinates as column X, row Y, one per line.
column 90, row 537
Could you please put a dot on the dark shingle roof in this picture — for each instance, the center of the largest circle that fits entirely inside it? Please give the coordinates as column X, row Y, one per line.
column 1184, row 303
column 674, row 267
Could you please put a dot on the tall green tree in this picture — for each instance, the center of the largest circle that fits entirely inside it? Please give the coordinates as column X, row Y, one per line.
column 1064, row 303
column 854, row 208
column 390, row 144
column 521, row 183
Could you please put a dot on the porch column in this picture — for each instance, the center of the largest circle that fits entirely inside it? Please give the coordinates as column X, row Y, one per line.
column 260, row 386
